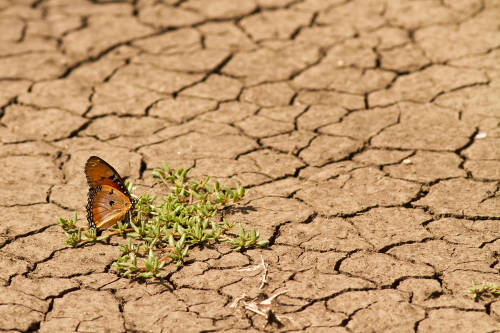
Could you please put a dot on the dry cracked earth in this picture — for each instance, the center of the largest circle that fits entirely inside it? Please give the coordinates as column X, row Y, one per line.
column 366, row 131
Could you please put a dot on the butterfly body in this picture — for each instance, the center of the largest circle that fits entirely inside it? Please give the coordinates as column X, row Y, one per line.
column 109, row 201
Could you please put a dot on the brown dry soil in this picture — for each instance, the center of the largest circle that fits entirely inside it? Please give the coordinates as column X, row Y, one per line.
column 367, row 132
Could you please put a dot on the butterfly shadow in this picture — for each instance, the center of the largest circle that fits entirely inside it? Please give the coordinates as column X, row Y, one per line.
column 245, row 210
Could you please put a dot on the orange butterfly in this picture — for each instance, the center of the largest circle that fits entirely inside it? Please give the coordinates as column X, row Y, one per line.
column 109, row 200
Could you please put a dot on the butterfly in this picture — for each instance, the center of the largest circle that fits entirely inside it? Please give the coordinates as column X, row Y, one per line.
column 108, row 200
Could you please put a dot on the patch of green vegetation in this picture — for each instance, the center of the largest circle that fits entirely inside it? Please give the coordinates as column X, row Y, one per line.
column 484, row 290
column 185, row 217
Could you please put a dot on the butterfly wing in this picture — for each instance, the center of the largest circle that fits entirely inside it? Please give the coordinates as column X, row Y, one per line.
column 106, row 206
column 98, row 172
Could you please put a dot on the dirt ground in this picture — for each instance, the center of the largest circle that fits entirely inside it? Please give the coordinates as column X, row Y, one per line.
column 366, row 131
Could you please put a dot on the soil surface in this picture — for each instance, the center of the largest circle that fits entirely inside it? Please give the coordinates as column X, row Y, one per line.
column 366, row 131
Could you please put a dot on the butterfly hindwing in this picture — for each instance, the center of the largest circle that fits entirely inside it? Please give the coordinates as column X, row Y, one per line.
column 106, row 206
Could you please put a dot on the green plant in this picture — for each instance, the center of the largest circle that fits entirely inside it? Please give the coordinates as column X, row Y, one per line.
column 483, row 290
column 185, row 217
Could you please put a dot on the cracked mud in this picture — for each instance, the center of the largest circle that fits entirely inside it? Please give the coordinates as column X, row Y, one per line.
column 367, row 132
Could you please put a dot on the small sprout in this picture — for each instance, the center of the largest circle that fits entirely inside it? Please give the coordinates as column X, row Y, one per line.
column 246, row 239
column 102, row 238
column 74, row 238
column 68, row 224
column 263, row 243
column 158, row 173
column 241, row 191
column 140, row 231
column 129, row 248
column 121, row 228
column 484, row 290
column 179, row 254
column 91, row 234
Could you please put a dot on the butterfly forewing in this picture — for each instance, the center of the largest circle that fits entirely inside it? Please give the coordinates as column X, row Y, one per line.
column 98, row 172
column 106, row 206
